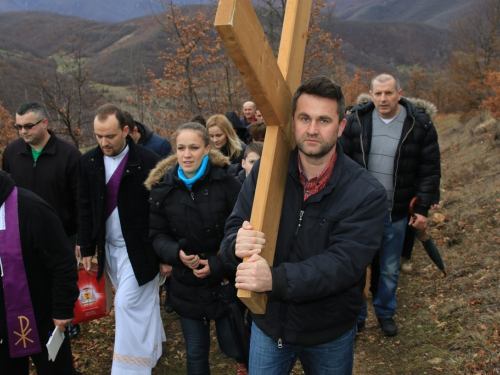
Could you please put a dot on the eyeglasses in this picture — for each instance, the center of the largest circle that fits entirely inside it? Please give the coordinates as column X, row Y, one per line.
column 27, row 126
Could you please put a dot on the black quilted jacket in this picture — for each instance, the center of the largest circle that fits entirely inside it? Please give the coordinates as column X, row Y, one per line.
column 417, row 165
column 198, row 216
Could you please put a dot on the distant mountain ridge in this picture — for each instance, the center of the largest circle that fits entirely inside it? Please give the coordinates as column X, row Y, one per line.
column 120, row 47
column 97, row 10
column 437, row 13
column 116, row 52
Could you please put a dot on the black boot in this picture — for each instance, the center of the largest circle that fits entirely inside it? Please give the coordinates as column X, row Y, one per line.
column 168, row 305
column 73, row 330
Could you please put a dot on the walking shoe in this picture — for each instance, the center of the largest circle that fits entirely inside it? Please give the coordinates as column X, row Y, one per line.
column 361, row 325
column 388, row 326
column 241, row 369
column 405, row 265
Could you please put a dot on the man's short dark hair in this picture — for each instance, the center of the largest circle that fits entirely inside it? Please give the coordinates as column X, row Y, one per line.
column 36, row 108
column 257, row 130
column 323, row 87
column 199, row 119
column 256, row 147
column 384, row 77
column 129, row 120
column 106, row 110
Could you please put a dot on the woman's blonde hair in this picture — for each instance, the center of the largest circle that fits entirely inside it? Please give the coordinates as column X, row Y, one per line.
column 233, row 144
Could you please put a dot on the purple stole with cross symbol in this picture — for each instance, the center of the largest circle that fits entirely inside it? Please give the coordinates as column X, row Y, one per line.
column 21, row 324
column 112, row 187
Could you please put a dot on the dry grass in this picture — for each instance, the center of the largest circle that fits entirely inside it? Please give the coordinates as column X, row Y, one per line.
column 451, row 325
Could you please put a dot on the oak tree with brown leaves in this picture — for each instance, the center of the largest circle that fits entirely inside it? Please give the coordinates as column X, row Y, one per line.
column 198, row 75
column 477, row 50
column 492, row 80
column 7, row 131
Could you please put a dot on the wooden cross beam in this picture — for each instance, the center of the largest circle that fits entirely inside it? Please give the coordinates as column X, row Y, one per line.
column 271, row 84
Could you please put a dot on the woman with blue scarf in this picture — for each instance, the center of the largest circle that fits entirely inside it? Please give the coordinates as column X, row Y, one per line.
column 192, row 194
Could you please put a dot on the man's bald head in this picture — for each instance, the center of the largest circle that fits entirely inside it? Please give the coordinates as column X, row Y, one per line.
column 249, row 109
column 385, row 77
column 386, row 93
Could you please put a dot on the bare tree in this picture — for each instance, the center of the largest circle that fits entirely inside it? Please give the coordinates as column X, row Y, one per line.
column 68, row 93
column 271, row 14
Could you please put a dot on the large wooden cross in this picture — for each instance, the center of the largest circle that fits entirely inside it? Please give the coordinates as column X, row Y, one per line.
column 271, row 84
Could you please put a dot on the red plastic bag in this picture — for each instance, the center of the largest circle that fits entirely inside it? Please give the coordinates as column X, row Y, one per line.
column 95, row 297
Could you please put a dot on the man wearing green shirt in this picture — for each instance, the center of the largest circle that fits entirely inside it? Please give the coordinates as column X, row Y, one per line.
column 45, row 164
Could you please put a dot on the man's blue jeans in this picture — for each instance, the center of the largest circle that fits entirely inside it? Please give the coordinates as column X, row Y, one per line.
column 197, row 339
column 332, row 358
column 390, row 250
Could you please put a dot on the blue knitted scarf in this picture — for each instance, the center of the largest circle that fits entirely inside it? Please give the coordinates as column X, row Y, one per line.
column 201, row 171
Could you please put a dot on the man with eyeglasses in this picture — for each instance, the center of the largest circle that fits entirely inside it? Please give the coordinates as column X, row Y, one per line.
column 46, row 165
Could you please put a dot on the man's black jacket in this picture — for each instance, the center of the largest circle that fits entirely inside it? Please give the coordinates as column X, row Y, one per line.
column 417, row 163
column 53, row 177
column 319, row 267
column 133, row 208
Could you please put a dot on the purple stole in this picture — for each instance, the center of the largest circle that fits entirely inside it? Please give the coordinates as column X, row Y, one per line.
column 21, row 324
column 113, row 185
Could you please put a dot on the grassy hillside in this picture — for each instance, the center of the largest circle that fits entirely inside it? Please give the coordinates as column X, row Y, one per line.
column 450, row 325
column 112, row 51
column 383, row 46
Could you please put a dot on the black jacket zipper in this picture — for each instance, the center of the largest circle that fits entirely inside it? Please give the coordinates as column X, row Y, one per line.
column 284, row 306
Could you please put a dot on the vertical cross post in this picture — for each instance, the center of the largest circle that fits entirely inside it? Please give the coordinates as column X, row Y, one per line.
column 271, row 84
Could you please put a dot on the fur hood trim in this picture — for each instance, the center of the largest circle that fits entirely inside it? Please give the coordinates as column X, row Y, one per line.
column 157, row 173
column 363, row 98
column 424, row 105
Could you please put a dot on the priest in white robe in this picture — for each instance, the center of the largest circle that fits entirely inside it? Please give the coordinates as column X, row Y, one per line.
column 113, row 213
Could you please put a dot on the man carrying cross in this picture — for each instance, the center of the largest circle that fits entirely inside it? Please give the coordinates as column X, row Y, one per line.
column 113, row 212
column 330, row 228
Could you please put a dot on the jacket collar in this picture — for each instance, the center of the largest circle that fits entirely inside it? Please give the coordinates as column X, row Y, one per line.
column 370, row 106
column 213, row 172
column 293, row 170
column 49, row 148
column 146, row 133
column 169, row 165
column 131, row 144
column 134, row 158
